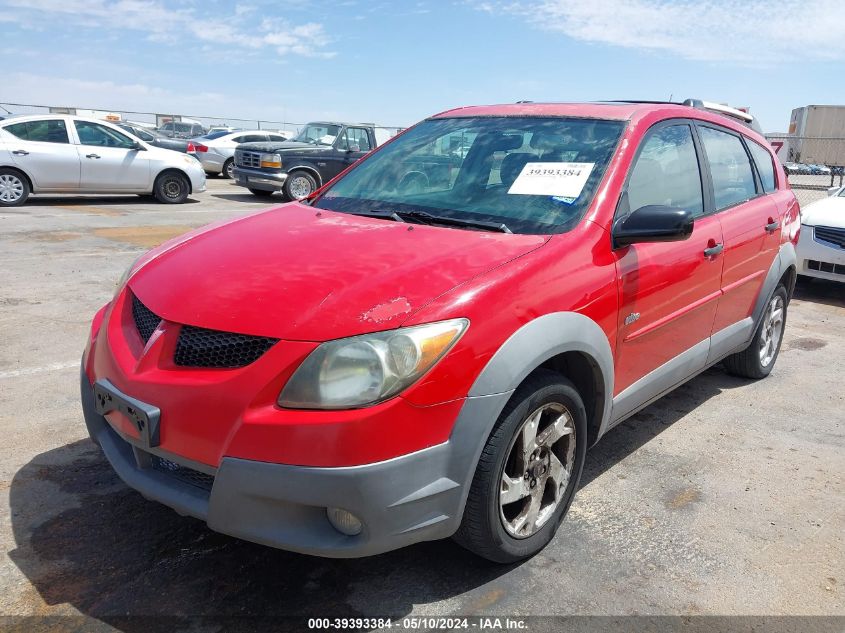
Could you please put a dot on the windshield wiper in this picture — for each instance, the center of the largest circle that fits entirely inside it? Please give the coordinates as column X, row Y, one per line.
column 430, row 218
column 382, row 215
column 424, row 217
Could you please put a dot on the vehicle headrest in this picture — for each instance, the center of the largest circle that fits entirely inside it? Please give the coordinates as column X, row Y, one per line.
column 506, row 142
column 512, row 164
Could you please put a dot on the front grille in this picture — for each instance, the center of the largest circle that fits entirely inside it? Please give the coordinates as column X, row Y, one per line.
column 831, row 235
column 182, row 473
column 826, row 267
column 248, row 159
column 198, row 347
column 145, row 319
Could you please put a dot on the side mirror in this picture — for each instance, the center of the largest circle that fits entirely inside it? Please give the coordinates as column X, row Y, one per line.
column 653, row 223
column 137, row 147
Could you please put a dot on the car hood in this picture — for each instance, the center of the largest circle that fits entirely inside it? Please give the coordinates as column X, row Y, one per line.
column 826, row 212
column 296, row 273
column 286, row 146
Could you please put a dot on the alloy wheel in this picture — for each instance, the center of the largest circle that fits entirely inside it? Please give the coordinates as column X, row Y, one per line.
column 540, row 461
column 772, row 330
column 300, row 187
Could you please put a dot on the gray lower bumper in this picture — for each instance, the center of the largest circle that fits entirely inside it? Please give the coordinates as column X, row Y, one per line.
column 257, row 179
column 416, row 497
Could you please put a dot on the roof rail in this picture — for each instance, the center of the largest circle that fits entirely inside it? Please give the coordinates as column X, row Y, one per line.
column 719, row 108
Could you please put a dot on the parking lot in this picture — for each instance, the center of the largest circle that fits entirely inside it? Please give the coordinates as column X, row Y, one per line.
column 725, row 497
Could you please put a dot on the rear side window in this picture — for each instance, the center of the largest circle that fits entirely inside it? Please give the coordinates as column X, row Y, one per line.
column 733, row 180
column 49, row 131
column 763, row 160
column 666, row 172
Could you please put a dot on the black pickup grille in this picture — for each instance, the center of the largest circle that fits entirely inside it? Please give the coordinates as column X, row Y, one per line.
column 831, row 235
column 248, row 159
column 182, row 473
column 198, row 347
column 145, row 319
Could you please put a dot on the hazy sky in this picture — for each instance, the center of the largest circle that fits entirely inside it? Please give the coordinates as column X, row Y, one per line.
column 397, row 62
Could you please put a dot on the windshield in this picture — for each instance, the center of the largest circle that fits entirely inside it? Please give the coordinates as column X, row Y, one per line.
column 318, row 134
column 535, row 175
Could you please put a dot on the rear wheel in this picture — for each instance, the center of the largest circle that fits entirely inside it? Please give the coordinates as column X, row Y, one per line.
column 14, row 188
column 171, row 188
column 229, row 169
column 758, row 359
column 299, row 185
column 261, row 193
column 528, row 471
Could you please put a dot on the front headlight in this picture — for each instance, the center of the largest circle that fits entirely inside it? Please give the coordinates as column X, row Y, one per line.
column 271, row 160
column 363, row 370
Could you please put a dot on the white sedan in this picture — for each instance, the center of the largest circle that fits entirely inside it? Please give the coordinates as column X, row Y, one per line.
column 70, row 154
column 821, row 245
column 216, row 151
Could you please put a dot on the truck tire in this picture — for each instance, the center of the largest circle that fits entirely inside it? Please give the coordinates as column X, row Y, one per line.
column 528, row 472
column 261, row 193
column 299, row 185
column 757, row 360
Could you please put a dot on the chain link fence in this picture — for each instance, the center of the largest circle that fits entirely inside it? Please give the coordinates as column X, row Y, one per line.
column 814, row 164
column 155, row 119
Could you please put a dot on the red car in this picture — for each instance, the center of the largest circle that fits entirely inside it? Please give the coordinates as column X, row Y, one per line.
column 426, row 346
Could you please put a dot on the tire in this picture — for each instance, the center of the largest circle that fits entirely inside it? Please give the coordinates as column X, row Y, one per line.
column 228, row 168
column 171, row 187
column 14, row 188
column 299, row 185
column 261, row 193
column 483, row 528
column 757, row 360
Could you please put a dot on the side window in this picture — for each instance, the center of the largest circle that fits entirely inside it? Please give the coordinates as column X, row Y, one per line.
column 666, row 172
column 101, row 136
column 253, row 138
column 763, row 160
column 358, row 138
column 277, row 138
column 49, row 131
column 733, row 180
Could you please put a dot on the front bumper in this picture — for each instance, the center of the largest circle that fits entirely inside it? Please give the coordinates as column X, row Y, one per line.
column 400, row 501
column 819, row 259
column 258, row 179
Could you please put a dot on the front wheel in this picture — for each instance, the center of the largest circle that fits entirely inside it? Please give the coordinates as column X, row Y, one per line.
column 528, row 471
column 299, row 185
column 758, row 359
column 171, row 188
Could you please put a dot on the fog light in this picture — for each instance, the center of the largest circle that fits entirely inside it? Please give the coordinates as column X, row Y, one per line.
column 344, row 522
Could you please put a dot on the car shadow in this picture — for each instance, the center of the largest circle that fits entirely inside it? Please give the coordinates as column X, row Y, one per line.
column 830, row 293
column 83, row 538
column 248, row 197
column 48, row 200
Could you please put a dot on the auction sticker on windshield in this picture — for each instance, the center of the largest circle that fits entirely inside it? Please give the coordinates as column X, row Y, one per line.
column 552, row 179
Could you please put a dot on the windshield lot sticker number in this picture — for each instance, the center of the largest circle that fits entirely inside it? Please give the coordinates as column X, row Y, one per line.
column 564, row 180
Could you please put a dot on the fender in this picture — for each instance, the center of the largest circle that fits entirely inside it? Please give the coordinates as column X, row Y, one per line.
column 526, row 349
column 308, row 168
column 786, row 259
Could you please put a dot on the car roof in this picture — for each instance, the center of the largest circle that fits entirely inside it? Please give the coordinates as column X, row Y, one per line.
column 610, row 110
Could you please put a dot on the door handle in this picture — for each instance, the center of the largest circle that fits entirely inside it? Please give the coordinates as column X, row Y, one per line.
column 712, row 251
column 92, row 155
column 772, row 226
column 20, row 152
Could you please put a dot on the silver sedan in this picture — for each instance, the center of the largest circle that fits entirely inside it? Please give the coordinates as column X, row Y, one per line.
column 216, row 151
